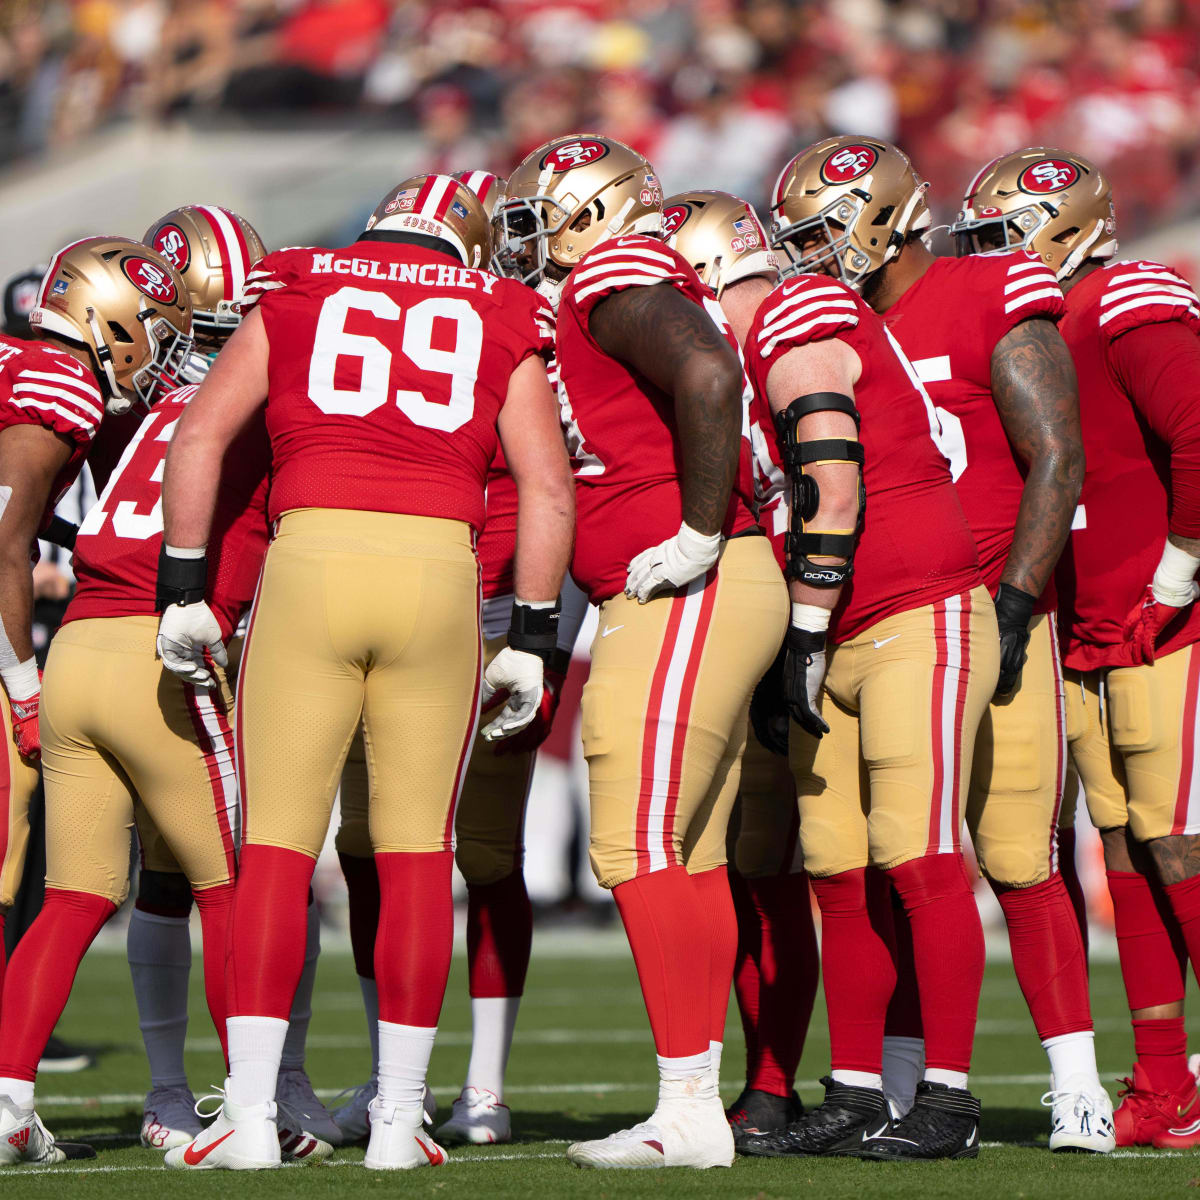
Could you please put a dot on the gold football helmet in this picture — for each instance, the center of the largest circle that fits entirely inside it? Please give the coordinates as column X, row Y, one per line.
column 567, row 197
column 720, row 235
column 845, row 206
column 485, row 185
column 126, row 304
column 1053, row 204
column 437, row 206
column 212, row 249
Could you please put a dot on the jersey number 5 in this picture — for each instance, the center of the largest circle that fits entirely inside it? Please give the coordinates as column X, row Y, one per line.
column 334, row 342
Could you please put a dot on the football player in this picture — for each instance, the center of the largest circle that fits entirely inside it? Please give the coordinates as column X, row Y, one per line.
column 775, row 978
column 1130, row 627
column 213, row 250
column 692, row 603
column 893, row 606
column 385, row 369
column 979, row 332
column 115, row 326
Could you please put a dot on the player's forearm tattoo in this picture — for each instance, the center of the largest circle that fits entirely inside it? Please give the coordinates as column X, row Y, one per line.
column 1176, row 858
column 673, row 342
column 1033, row 385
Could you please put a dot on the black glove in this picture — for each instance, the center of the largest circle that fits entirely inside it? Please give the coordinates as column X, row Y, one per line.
column 803, row 674
column 769, row 709
column 1014, row 609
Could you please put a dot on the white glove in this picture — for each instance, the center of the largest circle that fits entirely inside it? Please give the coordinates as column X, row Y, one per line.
column 520, row 674
column 185, row 632
column 672, row 563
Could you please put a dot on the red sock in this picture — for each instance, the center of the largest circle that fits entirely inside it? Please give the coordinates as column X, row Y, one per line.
column 1161, row 1048
column 948, row 952
column 215, row 906
column 362, row 901
column 668, row 932
column 776, row 975
column 1184, row 897
column 499, row 936
column 416, row 935
column 904, row 1009
column 1069, row 870
column 1150, row 947
column 1047, row 955
column 266, row 931
column 712, row 887
column 39, row 978
column 858, row 969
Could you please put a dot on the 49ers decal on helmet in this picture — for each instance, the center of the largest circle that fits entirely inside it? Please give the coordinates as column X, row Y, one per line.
column 170, row 242
column 848, row 163
column 149, row 278
column 1048, row 175
column 576, row 153
column 674, row 217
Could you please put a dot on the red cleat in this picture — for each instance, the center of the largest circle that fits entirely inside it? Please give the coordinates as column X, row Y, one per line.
column 1146, row 1117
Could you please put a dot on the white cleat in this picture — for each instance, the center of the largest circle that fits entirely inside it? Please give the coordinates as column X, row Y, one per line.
column 477, row 1118
column 353, row 1117
column 399, row 1140
column 23, row 1137
column 169, row 1118
column 1081, row 1117
column 294, row 1094
column 681, row 1132
column 240, row 1139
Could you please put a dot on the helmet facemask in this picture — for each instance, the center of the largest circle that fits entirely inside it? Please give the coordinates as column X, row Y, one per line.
column 167, row 366
column 821, row 245
column 521, row 227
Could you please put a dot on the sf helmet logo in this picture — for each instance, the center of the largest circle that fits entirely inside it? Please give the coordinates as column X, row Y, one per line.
column 848, row 163
column 1048, row 175
column 170, row 242
column 674, row 217
column 576, row 153
column 149, row 278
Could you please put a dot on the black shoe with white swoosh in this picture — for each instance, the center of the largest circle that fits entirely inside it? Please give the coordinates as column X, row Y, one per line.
column 942, row 1123
column 845, row 1118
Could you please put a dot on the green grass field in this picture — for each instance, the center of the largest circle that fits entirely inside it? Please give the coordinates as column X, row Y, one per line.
column 582, row 1065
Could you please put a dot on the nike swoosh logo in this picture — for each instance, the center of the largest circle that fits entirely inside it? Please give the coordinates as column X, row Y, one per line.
column 610, row 629
column 879, row 643
column 866, row 1137
column 192, row 1157
column 435, row 1160
column 73, row 367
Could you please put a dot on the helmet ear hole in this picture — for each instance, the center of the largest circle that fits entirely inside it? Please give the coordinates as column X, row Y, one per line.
column 119, row 332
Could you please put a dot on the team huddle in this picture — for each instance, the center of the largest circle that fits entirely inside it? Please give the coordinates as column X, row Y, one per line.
column 882, row 543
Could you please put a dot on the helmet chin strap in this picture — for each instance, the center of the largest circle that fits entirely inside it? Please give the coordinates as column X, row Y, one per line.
column 1086, row 250
column 116, row 402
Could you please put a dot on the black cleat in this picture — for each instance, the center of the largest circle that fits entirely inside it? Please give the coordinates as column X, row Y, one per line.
column 756, row 1112
column 845, row 1119
column 74, row 1150
column 942, row 1123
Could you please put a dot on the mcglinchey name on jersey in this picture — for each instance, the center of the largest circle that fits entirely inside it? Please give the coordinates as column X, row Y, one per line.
column 426, row 274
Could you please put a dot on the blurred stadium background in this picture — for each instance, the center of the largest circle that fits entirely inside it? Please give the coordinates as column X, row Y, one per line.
column 301, row 113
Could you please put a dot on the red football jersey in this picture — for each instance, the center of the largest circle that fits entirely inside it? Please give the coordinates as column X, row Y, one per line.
column 42, row 385
column 948, row 324
column 389, row 365
column 620, row 427
column 915, row 547
column 1121, row 523
column 116, row 551
column 769, row 480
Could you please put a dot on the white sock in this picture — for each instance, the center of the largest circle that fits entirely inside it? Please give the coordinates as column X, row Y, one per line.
column 301, row 1014
column 255, row 1046
column 693, row 1069
column 903, row 1062
column 370, row 995
column 493, row 1019
column 714, row 1054
column 404, row 1052
column 1072, row 1055
column 160, row 960
column 19, row 1091
column 858, row 1079
column 954, row 1079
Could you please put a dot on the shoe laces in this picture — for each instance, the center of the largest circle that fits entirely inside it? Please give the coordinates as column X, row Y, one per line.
column 355, row 1093
column 1081, row 1102
column 217, row 1094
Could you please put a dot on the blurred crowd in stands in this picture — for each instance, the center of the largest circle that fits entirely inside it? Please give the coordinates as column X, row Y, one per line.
column 717, row 93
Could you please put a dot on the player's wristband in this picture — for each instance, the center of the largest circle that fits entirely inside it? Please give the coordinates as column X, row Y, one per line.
column 22, row 682
column 61, row 533
column 1175, row 577
column 533, row 628
column 181, row 579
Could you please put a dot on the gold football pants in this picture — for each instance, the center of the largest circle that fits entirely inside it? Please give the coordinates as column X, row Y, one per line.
column 360, row 616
